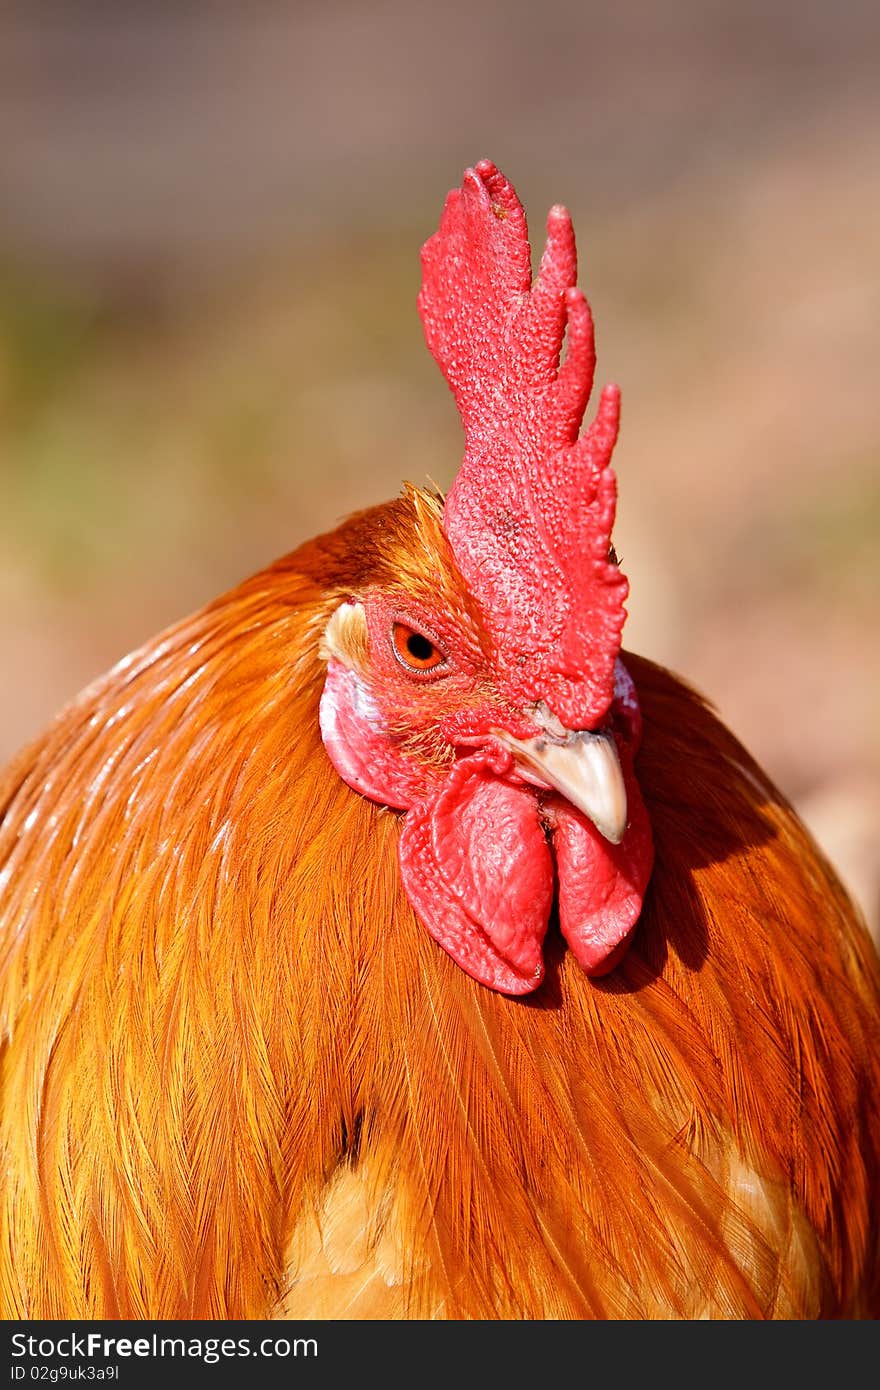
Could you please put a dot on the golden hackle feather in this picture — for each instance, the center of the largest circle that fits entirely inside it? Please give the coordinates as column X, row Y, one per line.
column 239, row 1078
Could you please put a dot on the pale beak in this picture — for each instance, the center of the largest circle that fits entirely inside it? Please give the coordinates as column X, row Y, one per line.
column 583, row 767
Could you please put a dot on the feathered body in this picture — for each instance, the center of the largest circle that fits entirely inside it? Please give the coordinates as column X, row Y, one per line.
column 379, row 943
column 229, row 1047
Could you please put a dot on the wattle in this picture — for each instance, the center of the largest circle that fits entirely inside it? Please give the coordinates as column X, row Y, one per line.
column 600, row 885
column 479, row 872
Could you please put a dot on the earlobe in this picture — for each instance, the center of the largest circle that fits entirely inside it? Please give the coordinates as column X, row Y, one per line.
column 355, row 734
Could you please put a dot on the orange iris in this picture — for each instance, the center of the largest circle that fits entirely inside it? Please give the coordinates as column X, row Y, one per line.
column 414, row 650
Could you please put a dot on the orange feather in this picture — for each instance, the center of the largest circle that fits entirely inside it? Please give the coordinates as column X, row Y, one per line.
column 239, row 1079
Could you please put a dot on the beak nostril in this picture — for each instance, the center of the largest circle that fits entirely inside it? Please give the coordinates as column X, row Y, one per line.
column 542, row 715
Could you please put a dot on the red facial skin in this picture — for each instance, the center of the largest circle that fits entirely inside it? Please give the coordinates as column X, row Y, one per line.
column 475, row 846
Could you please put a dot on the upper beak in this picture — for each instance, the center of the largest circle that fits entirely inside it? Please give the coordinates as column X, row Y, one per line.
column 584, row 767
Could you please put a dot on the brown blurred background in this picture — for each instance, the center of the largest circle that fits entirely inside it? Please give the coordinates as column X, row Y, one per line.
column 210, row 220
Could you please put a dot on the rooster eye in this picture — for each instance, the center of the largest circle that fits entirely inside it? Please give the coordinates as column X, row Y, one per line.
column 414, row 650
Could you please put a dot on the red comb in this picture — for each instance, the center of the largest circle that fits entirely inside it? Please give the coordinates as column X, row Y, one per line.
column 530, row 513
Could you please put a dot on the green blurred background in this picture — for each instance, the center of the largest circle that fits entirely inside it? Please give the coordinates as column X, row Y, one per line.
column 210, row 219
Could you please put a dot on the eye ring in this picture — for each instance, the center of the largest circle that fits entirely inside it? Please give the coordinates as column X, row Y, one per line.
column 415, row 651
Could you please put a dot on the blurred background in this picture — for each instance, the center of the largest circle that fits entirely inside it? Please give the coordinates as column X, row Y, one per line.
column 210, row 219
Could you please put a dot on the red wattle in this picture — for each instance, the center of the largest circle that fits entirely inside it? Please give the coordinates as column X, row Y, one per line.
column 601, row 885
column 478, row 871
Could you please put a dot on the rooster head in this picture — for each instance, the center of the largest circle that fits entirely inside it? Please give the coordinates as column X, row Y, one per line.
column 481, row 690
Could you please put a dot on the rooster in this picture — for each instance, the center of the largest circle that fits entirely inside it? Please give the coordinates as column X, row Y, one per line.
column 384, row 942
